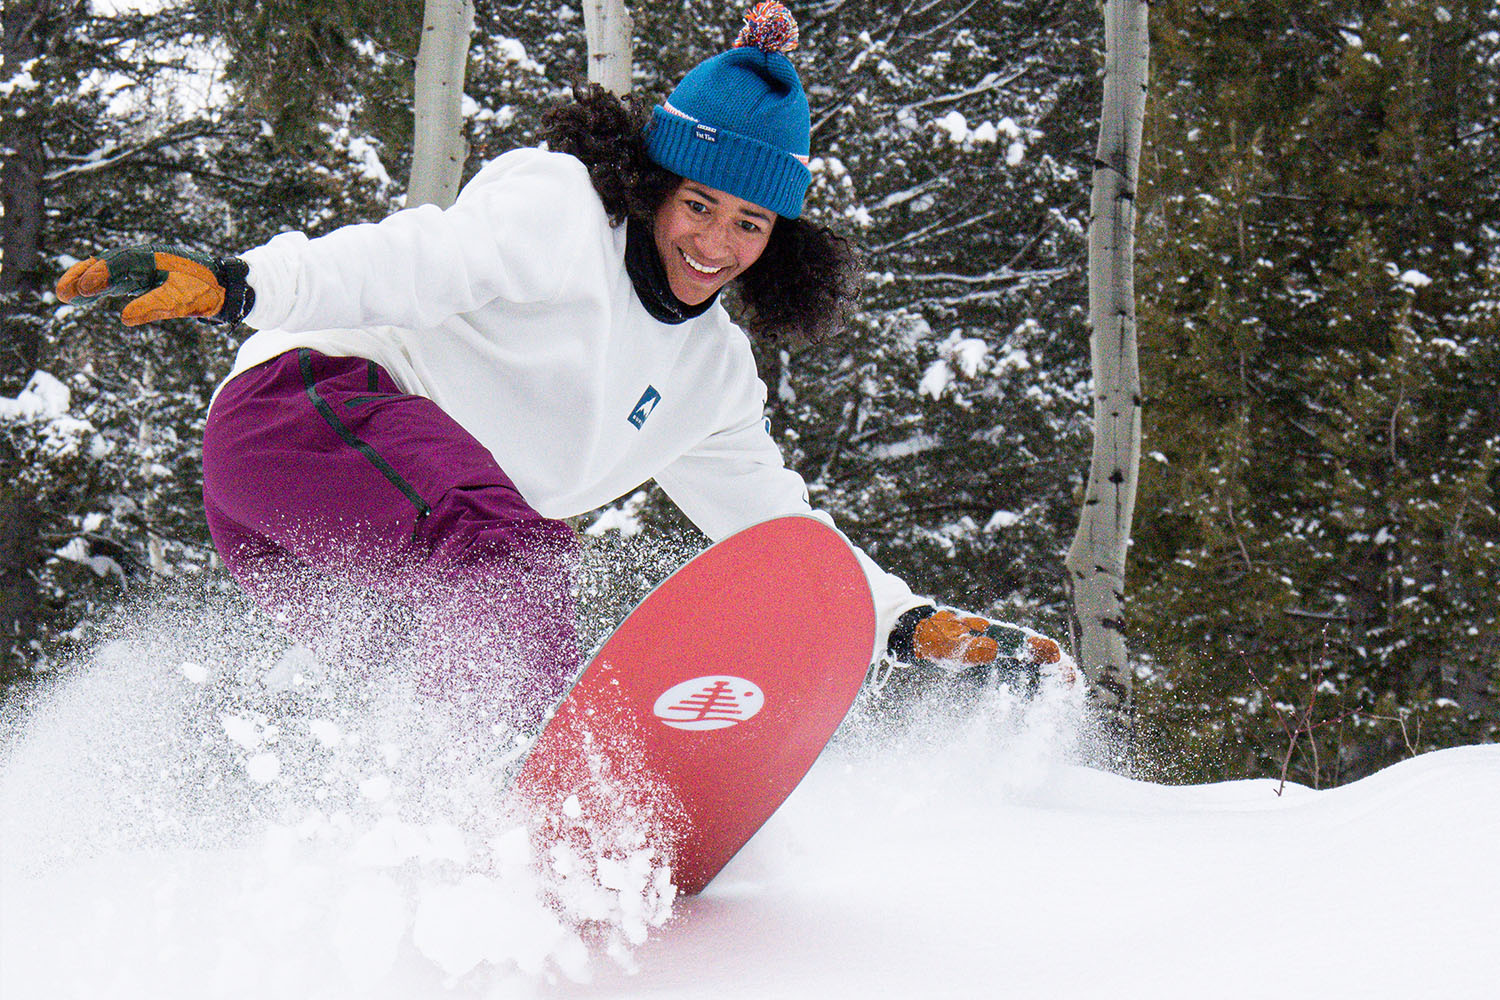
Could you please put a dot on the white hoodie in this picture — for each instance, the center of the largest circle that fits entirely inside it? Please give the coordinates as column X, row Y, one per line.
column 512, row 310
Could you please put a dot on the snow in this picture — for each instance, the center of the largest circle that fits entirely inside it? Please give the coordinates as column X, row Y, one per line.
column 43, row 398
column 263, row 767
column 624, row 519
column 20, row 80
column 960, row 355
column 43, row 404
column 961, row 133
column 365, row 157
column 513, row 51
column 914, row 445
column 1000, row 520
column 152, row 849
column 935, row 380
column 77, row 550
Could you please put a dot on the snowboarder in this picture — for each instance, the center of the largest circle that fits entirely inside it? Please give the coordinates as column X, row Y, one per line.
column 427, row 397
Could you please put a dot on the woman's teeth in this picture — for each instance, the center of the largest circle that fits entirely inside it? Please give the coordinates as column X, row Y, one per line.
column 700, row 268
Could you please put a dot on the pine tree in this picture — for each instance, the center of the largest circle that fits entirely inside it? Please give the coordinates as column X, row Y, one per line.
column 1321, row 520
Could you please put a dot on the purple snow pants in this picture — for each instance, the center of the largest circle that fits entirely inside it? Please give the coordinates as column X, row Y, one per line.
column 375, row 528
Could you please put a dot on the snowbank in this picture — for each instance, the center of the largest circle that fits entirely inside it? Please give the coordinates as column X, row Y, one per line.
column 152, row 850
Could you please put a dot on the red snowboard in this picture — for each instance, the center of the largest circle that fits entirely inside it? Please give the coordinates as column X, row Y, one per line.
column 713, row 698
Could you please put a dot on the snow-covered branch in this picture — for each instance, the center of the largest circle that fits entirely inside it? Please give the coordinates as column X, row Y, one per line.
column 109, row 156
column 1002, row 275
column 907, row 194
column 991, row 81
column 974, row 298
column 943, row 227
column 922, row 36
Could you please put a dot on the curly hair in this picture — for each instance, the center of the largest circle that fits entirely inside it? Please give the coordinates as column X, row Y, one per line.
column 803, row 286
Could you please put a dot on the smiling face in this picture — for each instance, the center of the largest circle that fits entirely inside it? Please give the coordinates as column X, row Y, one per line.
column 707, row 238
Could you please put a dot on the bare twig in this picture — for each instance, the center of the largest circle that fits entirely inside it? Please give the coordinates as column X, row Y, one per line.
column 1304, row 726
column 1400, row 720
column 1291, row 734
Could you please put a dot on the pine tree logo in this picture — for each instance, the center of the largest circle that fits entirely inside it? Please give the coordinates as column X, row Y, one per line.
column 714, row 702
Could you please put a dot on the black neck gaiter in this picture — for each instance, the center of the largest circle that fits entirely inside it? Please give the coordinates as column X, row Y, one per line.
column 649, row 277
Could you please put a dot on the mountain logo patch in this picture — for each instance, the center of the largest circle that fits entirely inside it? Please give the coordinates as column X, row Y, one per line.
column 644, row 406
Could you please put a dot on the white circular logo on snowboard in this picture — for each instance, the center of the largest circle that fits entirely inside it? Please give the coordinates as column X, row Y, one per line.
column 712, row 702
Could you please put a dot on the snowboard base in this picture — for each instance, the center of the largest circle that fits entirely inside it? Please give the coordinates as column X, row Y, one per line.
column 711, row 701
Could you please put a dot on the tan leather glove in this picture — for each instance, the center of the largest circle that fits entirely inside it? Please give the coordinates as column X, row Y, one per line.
column 960, row 642
column 168, row 282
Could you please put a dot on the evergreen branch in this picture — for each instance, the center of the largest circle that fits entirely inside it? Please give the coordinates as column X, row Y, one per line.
column 95, row 164
column 971, row 299
column 1033, row 280
column 840, row 440
column 891, row 524
column 838, row 105
column 1478, row 132
column 991, row 81
column 895, row 24
column 206, row 172
column 826, row 9
column 1051, row 222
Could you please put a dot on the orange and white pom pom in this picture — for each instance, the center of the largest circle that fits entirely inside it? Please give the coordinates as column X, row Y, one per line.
column 769, row 27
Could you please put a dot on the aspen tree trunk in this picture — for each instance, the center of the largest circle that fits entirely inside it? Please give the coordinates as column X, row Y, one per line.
column 607, row 25
column 1096, row 560
column 438, row 146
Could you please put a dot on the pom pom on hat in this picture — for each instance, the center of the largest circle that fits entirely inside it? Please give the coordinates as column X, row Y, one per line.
column 769, row 27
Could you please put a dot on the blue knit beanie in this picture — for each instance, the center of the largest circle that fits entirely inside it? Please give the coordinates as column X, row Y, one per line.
column 738, row 122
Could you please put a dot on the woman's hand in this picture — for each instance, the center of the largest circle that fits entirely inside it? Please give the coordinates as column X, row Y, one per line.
column 168, row 282
column 959, row 642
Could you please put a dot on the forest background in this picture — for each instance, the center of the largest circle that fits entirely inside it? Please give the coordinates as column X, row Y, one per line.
column 1311, row 584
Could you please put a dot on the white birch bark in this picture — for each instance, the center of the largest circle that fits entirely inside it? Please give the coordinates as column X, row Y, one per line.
column 607, row 25
column 1096, row 560
column 438, row 146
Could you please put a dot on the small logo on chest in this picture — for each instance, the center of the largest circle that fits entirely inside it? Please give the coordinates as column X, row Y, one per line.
column 643, row 408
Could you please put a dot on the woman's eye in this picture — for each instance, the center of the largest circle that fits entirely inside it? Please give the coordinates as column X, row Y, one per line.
column 749, row 226
column 696, row 206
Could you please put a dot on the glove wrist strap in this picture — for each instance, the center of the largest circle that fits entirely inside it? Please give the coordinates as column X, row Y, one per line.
column 239, row 297
column 903, row 635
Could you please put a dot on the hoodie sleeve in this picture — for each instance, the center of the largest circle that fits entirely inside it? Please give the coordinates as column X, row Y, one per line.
column 736, row 478
column 509, row 235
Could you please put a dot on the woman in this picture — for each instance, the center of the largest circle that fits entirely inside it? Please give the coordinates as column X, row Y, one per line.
column 428, row 396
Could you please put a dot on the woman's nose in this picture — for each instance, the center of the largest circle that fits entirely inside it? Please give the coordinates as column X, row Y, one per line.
column 715, row 239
